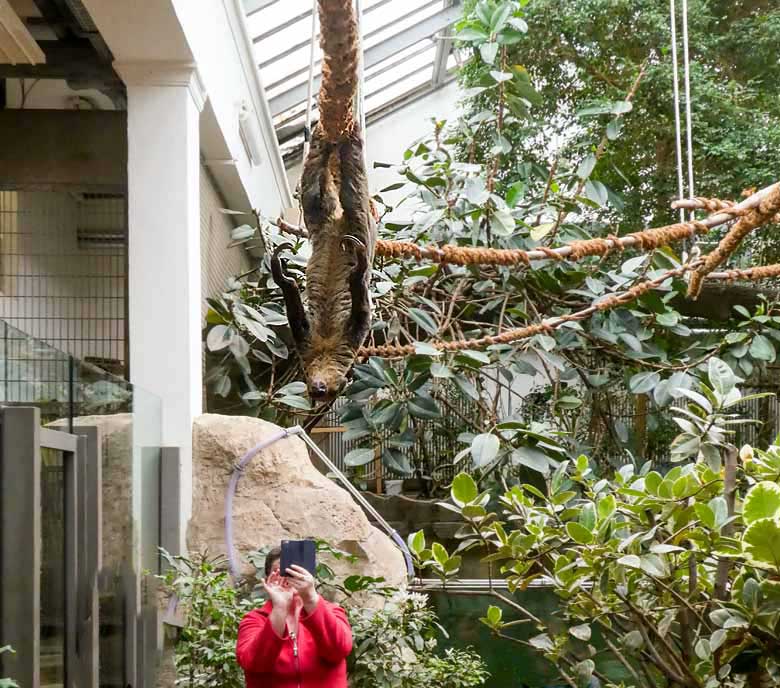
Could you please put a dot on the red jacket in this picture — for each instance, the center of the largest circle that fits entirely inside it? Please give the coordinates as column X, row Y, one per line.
column 323, row 643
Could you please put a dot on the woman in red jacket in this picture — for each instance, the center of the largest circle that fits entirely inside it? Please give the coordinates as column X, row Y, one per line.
column 295, row 640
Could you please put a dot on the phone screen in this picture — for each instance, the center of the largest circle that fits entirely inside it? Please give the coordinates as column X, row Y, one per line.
column 301, row 553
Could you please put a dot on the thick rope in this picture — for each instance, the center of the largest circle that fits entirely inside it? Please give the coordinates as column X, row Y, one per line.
column 340, row 64
column 755, row 274
column 749, row 221
column 517, row 334
column 648, row 239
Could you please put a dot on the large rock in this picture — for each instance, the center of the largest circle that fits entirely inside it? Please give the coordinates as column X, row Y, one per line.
column 116, row 433
column 280, row 495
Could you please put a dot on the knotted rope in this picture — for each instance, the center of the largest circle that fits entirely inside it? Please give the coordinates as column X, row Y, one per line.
column 747, row 222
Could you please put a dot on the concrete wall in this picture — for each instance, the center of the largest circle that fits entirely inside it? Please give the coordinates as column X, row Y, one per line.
column 218, row 262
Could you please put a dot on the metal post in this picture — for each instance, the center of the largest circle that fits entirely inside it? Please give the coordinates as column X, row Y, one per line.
column 170, row 502
column 71, row 400
column 72, row 477
column 90, row 450
column 20, row 543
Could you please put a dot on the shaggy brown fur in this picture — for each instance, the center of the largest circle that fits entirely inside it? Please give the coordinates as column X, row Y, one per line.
column 337, row 211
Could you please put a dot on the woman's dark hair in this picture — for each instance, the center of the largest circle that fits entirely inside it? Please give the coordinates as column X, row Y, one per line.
column 273, row 556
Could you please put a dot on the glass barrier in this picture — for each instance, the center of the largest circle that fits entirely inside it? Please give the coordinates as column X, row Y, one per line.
column 72, row 394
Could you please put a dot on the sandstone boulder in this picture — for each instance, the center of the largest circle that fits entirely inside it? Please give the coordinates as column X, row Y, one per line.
column 116, row 433
column 280, row 495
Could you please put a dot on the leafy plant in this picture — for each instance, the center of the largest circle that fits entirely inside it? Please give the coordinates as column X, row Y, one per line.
column 663, row 579
column 7, row 682
column 395, row 647
column 605, row 383
column 206, row 652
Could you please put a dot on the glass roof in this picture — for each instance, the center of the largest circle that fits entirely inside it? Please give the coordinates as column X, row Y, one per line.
column 407, row 54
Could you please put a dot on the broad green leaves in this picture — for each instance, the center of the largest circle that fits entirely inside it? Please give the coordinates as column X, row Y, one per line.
column 762, row 501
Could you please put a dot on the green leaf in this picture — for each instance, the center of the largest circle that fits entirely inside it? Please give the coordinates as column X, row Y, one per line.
column 439, row 553
column 464, row 489
column 641, row 383
column 581, row 632
column 705, row 515
column 540, row 231
column 416, row 541
column 494, row 615
column 219, row 338
column 489, row 51
column 761, row 541
column 596, row 192
column 586, row 166
column 630, row 561
column 542, row 642
column 424, row 408
column 484, row 449
column 359, row 457
column 579, row 533
column 296, row 402
column 762, row 501
column 721, row 376
column 532, row 458
column 500, row 16
column 424, row 320
column 607, row 507
column 295, row 388
column 762, row 349
column 471, row 34
column 467, row 387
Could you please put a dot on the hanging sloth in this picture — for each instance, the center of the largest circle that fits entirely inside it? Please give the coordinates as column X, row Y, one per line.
column 336, row 207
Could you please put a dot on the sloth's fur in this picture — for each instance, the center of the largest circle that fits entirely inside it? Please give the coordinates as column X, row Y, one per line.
column 336, row 205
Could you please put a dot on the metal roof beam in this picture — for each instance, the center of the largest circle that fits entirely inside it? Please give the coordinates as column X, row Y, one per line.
column 252, row 6
column 443, row 50
column 378, row 53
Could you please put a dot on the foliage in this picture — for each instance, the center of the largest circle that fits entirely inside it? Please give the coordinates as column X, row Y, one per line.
column 583, row 58
column 396, row 648
column 206, row 652
column 674, row 576
column 480, row 182
column 7, row 682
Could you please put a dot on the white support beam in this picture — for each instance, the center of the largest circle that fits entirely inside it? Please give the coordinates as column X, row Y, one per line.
column 164, row 104
column 378, row 53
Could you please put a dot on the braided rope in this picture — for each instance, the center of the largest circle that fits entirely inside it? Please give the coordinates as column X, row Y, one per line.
column 517, row 334
column 755, row 274
column 747, row 222
column 648, row 239
column 340, row 44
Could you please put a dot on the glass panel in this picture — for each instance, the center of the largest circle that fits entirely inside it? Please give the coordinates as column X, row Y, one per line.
column 72, row 393
column 52, row 568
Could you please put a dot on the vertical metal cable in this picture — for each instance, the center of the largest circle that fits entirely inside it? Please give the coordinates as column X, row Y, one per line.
column 688, row 118
column 361, row 91
column 310, row 90
column 676, row 89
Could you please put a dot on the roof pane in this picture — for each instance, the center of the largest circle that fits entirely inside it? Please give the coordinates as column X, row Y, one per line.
column 282, row 32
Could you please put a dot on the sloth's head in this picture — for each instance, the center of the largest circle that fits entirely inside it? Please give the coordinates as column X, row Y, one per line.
column 327, row 371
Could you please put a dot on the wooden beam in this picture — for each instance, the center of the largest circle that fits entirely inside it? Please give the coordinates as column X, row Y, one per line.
column 74, row 60
column 16, row 41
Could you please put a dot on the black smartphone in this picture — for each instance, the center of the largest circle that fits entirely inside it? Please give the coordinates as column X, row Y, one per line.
column 301, row 553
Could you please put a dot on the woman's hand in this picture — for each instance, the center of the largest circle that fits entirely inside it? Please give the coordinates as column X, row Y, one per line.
column 280, row 592
column 303, row 583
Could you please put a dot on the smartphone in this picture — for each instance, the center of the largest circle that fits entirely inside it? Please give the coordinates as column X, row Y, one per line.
column 301, row 553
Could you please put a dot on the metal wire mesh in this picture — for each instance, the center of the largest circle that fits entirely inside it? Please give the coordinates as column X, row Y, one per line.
column 63, row 273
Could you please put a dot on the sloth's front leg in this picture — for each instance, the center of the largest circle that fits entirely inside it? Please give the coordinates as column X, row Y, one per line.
column 360, row 316
column 296, row 314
